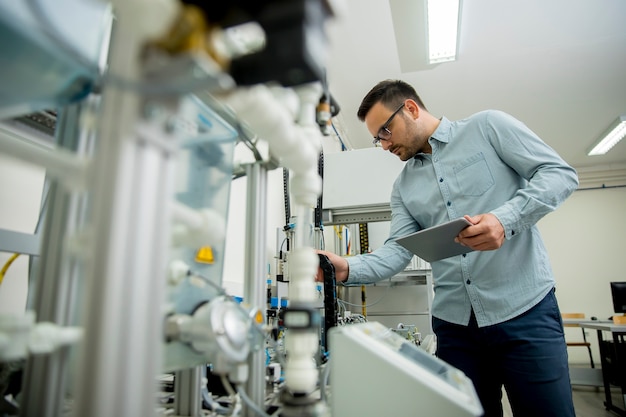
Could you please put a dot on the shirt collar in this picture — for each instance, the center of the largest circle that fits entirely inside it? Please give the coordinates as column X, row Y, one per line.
column 442, row 133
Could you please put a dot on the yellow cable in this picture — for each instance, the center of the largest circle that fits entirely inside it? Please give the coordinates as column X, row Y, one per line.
column 363, row 301
column 6, row 266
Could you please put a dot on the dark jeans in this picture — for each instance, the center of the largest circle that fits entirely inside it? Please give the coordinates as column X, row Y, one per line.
column 526, row 354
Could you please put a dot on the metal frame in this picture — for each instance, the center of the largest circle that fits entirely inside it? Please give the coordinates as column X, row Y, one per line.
column 254, row 288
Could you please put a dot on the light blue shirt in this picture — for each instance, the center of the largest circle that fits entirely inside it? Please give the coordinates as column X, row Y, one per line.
column 487, row 163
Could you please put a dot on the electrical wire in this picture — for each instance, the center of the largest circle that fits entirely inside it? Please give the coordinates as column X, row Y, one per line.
column 343, row 146
column 370, row 304
column 363, row 303
column 282, row 245
column 343, row 236
column 286, row 197
column 6, row 266
column 242, row 394
column 319, row 208
column 251, row 403
column 207, row 399
column 206, row 280
column 324, row 375
column 342, row 308
column 231, row 393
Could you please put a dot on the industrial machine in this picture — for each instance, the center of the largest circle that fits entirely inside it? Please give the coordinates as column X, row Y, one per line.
column 367, row 356
column 145, row 103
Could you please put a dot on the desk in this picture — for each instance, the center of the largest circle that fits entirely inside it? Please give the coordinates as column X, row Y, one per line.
column 584, row 376
column 618, row 331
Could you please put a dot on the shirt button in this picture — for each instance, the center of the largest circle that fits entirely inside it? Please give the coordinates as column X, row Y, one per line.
column 464, row 255
column 468, row 282
column 512, row 232
column 440, row 179
column 449, row 203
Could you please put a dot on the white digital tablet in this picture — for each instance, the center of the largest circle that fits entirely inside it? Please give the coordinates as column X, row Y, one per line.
column 436, row 242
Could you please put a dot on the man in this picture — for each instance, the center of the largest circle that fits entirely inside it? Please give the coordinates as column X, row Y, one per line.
column 494, row 311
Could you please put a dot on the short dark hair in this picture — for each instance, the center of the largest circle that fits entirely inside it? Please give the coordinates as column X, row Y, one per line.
column 391, row 93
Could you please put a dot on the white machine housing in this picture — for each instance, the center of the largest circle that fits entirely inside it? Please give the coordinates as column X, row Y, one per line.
column 376, row 372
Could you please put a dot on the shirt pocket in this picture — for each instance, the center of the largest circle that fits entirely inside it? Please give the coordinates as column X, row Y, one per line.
column 473, row 175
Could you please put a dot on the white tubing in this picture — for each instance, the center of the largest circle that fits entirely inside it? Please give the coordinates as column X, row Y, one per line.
column 300, row 370
column 305, row 189
column 59, row 163
column 197, row 228
column 46, row 337
column 271, row 115
column 303, row 264
column 274, row 122
column 186, row 215
column 14, row 335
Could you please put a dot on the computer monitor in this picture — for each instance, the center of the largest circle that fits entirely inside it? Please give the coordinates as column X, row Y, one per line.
column 618, row 292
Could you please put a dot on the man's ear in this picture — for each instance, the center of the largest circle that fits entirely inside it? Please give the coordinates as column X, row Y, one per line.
column 412, row 107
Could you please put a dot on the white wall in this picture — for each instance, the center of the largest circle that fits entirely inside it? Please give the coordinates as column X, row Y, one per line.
column 234, row 267
column 584, row 241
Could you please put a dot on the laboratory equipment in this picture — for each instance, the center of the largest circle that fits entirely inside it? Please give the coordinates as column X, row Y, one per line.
column 370, row 358
column 38, row 72
column 136, row 262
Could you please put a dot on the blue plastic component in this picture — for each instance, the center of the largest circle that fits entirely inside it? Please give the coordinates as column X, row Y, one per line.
column 37, row 72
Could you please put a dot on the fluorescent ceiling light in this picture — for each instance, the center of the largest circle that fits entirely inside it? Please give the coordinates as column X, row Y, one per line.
column 613, row 134
column 426, row 32
column 443, row 23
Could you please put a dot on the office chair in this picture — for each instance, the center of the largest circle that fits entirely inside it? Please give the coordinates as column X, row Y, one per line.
column 584, row 342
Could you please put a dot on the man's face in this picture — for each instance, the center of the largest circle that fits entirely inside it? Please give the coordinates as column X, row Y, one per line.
column 397, row 131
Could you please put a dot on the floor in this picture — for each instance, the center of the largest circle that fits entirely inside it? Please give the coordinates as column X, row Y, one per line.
column 588, row 402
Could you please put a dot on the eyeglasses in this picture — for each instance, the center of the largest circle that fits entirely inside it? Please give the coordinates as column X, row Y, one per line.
column 384, row 133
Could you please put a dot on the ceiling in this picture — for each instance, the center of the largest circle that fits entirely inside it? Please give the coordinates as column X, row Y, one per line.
column 558, row 65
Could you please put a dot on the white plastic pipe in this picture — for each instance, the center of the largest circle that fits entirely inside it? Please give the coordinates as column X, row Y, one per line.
column 301, row 374
column 196, row 228
column 59, row 163
column 273, row 121
column 271, row 114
